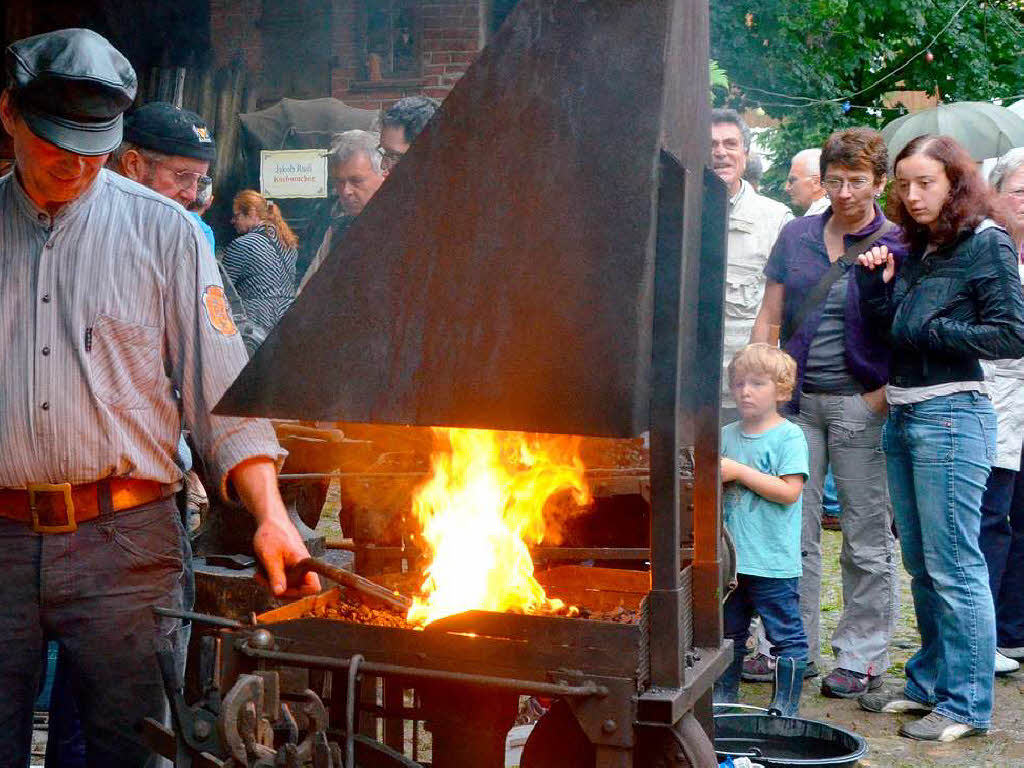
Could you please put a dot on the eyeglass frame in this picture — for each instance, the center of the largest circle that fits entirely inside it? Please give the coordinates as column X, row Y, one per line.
column 833, row 185
column 388, row 158
column 201, row 181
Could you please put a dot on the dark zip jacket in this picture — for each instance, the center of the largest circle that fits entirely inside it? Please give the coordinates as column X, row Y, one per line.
column 945, row 311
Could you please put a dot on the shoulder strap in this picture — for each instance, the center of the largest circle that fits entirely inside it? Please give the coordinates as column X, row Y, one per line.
column 819, row 292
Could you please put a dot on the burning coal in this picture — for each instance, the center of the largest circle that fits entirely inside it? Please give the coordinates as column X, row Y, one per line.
column 486, row 501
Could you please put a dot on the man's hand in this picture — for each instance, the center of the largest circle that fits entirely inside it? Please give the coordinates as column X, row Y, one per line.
column 730, row 470
column 277, row 544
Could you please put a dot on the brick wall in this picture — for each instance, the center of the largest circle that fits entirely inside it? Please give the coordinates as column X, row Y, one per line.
column 450, row 39
column 235, row 36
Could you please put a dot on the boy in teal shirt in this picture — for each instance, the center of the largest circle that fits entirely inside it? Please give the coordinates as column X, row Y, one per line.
column 764, row 467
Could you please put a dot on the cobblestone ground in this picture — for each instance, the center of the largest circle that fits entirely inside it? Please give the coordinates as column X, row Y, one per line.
column 1002, row 746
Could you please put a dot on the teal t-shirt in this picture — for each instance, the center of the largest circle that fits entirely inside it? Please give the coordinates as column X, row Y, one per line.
column 766, row 533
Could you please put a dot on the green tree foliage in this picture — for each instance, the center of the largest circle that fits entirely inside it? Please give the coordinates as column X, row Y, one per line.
column 821, row 65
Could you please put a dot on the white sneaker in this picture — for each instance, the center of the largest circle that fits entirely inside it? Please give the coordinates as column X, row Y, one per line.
column 1005, row 665
column 1012, row 653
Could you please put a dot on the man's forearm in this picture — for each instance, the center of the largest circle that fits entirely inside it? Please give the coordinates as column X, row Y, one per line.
column 255, row 480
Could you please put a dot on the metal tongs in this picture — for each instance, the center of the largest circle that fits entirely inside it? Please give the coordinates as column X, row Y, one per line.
column 349, row 580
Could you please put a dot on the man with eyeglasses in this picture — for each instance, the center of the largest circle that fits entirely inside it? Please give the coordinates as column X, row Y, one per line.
column 803, row 184
column 169, row 150
column 401, row 125
column 754, row 224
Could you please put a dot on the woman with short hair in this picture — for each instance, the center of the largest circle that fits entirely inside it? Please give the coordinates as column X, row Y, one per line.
column 840, row 402
column 260, row 262
column 954, row 301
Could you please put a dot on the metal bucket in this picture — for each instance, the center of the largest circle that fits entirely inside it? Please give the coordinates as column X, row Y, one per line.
column 785, row 742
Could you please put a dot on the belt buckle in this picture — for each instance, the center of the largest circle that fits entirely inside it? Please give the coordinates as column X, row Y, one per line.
column 69, row 507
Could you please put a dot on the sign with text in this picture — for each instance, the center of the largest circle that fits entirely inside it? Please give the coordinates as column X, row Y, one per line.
column 293, row 173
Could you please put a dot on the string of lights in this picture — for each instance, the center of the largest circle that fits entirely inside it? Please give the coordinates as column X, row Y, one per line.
column 810, row 101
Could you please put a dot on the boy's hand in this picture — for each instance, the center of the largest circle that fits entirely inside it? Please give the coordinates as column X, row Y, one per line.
column 730, row 470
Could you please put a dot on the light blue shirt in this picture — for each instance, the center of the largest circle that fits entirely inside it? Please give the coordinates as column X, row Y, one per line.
column 207, row 231
column 766, row 533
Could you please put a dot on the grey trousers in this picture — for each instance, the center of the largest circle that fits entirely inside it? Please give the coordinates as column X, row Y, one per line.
column 843, row 431
column 93, row 590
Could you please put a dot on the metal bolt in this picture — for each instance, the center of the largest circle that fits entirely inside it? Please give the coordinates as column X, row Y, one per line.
column 609, row 726
column 202, row 729
column 261, row 639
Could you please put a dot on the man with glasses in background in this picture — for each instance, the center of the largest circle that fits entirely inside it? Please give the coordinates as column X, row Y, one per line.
column 401, row 125
column 803, row 184
column 169, row 150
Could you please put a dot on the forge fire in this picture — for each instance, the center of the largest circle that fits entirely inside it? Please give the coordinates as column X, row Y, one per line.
column 490, row 495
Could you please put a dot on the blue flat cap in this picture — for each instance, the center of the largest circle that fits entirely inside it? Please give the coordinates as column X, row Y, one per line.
column 71, row 87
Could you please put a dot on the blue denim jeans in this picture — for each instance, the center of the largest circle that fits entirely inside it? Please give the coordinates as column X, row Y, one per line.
column 939, row 453
column 830, row 496
column 777, row 602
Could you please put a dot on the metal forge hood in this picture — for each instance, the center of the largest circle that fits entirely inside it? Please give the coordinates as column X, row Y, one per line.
column 502, row 276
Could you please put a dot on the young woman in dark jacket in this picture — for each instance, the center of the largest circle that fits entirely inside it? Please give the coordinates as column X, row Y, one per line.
column 956, row 299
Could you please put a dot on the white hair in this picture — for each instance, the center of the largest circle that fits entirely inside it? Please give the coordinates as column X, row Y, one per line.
column 1006, row 166
column 345, row 145
column 811, row 159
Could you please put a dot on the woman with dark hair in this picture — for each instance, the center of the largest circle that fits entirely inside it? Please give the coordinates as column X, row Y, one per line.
column 954, row 301
column 840, row 403
column 260, row 262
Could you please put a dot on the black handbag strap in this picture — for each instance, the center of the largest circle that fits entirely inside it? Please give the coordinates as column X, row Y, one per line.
column 819, row 292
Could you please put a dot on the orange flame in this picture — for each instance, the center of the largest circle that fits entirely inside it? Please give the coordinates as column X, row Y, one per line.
column 482, row 505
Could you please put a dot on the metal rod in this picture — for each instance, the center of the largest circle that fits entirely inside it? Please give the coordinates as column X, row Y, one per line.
column 600, row 553
column 376, row 668
column 350, row 709
column 200, row 618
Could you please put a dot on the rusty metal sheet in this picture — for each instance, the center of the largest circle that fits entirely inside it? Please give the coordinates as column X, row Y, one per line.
column 502, row 276
column 529, row 650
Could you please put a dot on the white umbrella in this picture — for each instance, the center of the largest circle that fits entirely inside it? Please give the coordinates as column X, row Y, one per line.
column 982, row 128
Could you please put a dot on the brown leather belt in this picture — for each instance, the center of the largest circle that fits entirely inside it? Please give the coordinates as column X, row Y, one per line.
column 60, row 507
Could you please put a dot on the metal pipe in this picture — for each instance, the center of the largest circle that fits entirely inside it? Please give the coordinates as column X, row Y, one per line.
column 535, row 687
column 350, row 710
column 200, row 618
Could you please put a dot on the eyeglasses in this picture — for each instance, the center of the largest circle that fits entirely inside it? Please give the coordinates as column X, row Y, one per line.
column 832, row 184
column 388, row 158
column 184, row 179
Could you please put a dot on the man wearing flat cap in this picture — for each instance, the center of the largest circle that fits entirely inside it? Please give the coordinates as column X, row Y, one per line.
column 110, row 301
